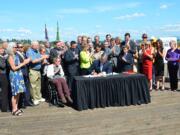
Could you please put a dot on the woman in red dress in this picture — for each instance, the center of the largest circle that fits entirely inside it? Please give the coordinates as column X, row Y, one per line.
column 148, row 63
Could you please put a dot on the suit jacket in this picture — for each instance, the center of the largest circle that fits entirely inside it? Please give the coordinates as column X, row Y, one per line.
column 56, row 52
column 71, row 63
column 3, row 64
column 107, row 67
column 126, row 65
column 132, row 46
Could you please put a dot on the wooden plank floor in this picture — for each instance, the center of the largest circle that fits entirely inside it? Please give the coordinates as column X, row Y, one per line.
column 161, row 117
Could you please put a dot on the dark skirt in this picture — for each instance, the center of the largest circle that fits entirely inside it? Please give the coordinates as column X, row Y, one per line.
column 159, row 69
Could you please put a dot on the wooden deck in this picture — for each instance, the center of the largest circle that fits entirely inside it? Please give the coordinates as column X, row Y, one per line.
column 161, row 117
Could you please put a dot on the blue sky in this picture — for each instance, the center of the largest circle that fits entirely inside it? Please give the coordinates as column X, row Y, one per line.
column 25, row 19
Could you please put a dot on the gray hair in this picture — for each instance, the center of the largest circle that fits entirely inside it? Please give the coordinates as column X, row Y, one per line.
column 34, row 43
column 10, row 48
column 173, row 42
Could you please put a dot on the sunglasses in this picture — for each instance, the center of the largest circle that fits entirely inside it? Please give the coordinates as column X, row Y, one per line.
column 20, row 47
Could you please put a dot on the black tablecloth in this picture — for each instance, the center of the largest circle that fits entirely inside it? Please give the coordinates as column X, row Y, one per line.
column 115, row 90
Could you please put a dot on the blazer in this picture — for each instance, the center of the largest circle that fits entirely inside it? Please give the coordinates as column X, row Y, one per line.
column 71, row 62
column 132, row 46
column 128, row 64
column 85, row 60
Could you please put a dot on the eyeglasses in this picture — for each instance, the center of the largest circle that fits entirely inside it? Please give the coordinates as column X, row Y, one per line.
column 20, row 47
column 15, row 47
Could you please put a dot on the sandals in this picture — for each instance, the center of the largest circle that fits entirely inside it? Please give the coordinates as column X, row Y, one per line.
column 17, row 113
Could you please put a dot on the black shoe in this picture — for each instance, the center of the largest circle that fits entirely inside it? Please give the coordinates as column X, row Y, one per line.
column 23, row 106
column 29, row 103
column 59, row 104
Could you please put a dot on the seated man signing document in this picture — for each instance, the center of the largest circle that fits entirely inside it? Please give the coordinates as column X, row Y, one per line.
column 102, row 66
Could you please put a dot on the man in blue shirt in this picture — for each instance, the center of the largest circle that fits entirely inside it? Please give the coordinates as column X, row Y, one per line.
column 34, row 72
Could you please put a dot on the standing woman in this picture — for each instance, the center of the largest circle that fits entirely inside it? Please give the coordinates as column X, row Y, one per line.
column 159, row 64
column 173, row 56
column 16, row 77
column 140, row 58
column 44, row 65
column 148, row 63
column 85, row 60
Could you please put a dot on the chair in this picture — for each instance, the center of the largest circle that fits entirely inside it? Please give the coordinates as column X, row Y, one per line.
column 53, row 97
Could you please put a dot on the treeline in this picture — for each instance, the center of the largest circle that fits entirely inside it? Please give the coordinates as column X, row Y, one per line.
column 26, row 41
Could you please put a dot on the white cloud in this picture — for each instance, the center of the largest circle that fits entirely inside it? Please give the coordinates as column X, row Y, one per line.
column 97, row 9
column 20, row 30
column 171, row 27
column 130, row 16
column 112, row 7
column 6, row 30
column 74, row 11
column 163, row 6
column 104, row 8
column 24, row 31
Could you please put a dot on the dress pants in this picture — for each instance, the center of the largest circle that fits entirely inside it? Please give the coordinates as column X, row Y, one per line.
column 35, row 82
column 173, row 76
column 62, row 87
column 4, row 92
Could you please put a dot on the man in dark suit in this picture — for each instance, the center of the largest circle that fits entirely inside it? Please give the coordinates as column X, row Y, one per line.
column 58, row 52
column 102, row 65
column 4, row 92
column 128, row 42
column 71, row 58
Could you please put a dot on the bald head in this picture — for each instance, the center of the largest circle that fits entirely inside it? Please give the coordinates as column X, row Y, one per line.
column 35, row 45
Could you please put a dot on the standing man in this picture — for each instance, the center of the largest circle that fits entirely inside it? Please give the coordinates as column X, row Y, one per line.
column 58, row 52
column 79, row 43
column 3, row 80
column 115, row 51
column 108, row 39
column 47, row 46
column 71, row 58
column 34, row 72
column 96, row 41
column 131, row 44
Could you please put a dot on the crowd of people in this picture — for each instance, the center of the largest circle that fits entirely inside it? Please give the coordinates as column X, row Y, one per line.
column 25, row 69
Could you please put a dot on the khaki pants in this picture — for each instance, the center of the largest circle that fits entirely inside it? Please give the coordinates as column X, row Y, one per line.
column 35, row 81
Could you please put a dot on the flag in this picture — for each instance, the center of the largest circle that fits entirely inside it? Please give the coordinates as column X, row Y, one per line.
column 46, row 34
column 57, row 34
